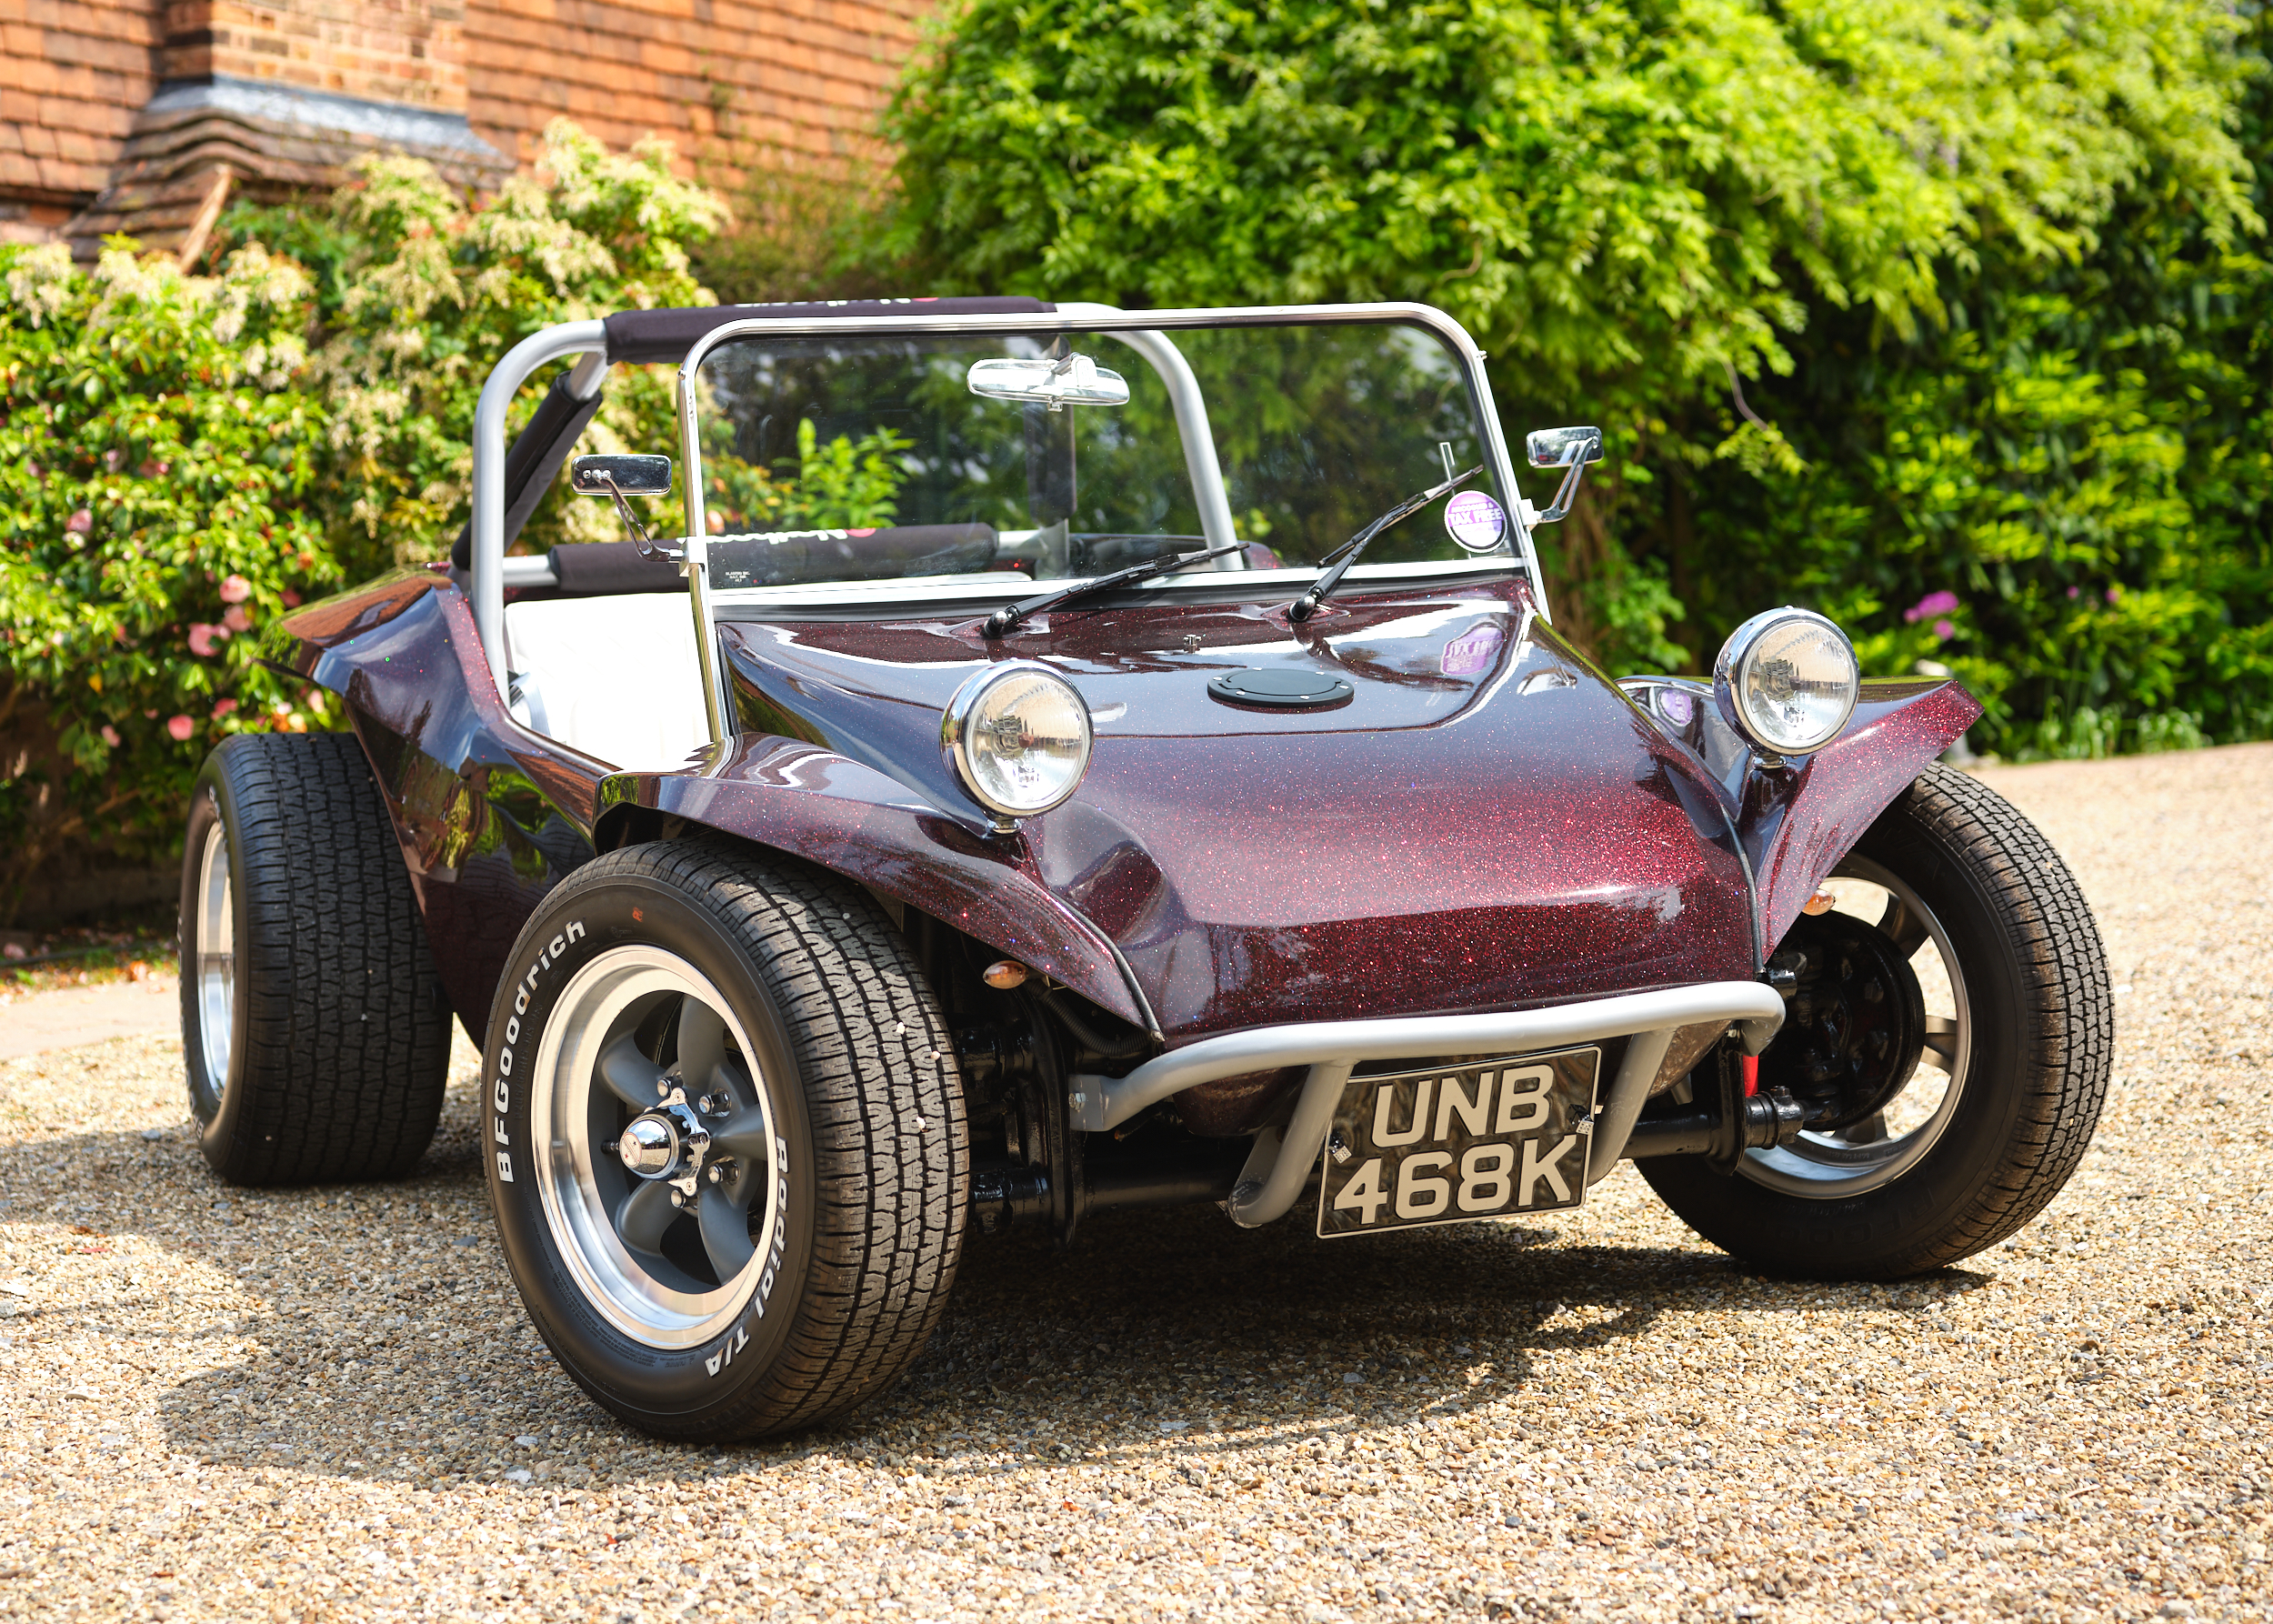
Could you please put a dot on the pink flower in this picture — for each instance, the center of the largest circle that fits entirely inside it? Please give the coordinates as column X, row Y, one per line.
column 235, row 589
column 80, row 523
column 291, row 598
column 181, row 727
column 200, row 636
column 2114, row 595
column 1944, row 630
column 223, row 708
column 2072, row 591
column 236, row 620
column 1931, row 605
column 110, row 736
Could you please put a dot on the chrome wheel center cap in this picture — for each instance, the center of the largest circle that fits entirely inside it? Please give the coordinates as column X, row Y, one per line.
column 663, row 1143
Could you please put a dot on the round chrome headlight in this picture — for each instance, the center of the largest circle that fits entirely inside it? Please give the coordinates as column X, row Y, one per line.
column 1018, row 738
column 1787, row 680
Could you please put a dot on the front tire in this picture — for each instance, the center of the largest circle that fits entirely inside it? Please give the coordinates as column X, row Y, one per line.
column 728, row 1154
column 2018, row 1040
column 314, row 1031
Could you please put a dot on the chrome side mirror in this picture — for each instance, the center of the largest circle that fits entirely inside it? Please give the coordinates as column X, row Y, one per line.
column 1571, row 448
column 626, row 475
column 620, row 477
column 1074, row 380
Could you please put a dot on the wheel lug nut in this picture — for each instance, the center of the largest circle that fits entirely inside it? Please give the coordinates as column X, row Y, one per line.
column 718, row 1103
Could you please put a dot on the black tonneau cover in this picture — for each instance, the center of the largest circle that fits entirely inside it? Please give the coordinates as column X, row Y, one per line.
column 665, row 336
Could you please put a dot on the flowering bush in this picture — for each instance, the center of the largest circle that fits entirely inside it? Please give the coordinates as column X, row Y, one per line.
column 188, row 456
column 157, row 460
column 420, row 292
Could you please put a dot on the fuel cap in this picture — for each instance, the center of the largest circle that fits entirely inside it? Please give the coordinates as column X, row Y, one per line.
column 1281, row 688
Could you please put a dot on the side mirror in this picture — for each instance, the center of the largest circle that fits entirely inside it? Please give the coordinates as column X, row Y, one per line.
column 1571, row 448
column 626, row 475
column 1075, row 380
column 1563, row 447
column 621, row 477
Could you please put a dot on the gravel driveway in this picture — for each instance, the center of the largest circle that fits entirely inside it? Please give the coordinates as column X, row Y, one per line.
column 327, row 1403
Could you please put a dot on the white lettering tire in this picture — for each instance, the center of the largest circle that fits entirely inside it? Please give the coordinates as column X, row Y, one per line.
column 766, row 1025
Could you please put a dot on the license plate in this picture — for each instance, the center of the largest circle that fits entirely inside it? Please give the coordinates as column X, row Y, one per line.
column 1445, row 1146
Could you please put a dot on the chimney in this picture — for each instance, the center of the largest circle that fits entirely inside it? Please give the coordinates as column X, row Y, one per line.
column 278, row 98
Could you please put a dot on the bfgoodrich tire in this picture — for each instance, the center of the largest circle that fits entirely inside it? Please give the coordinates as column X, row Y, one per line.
column 729, row 1155
column 314, row 1030
column 1990, row 932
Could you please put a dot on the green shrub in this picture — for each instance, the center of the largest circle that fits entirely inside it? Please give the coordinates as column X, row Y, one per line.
column 1876, row 299
column 157, row 464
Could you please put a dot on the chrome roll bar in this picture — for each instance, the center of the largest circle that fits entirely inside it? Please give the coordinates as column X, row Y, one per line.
column 1145, row 331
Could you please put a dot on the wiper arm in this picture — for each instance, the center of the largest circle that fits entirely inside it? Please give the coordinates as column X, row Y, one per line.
column 1005, row 621
column 1303, row 608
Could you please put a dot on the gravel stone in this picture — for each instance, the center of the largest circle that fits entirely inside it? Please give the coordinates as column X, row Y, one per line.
column 327, row 1402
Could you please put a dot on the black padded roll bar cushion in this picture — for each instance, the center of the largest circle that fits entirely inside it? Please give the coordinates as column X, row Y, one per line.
column 605, row 568
column 534, row 460
column 652, row 337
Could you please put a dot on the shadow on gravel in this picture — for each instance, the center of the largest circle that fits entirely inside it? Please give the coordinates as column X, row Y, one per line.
column 372, row 1330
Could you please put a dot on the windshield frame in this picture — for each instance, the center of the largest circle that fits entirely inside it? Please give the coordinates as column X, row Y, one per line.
column 1091, row 318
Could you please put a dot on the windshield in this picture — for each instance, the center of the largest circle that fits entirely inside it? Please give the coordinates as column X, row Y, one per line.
column 890, row 457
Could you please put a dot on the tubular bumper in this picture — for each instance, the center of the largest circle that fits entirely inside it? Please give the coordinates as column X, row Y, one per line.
column 1280, row 1165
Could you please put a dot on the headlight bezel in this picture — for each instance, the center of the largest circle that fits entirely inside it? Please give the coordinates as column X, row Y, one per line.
column 956, row 732
column 1732, row 671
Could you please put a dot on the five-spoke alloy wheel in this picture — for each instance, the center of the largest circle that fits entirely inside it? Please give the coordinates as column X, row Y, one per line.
column 726, row 1140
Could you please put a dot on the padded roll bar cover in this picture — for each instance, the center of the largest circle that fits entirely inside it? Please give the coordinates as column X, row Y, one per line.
column 604, row 568
column 652, row 337
column 533, row 460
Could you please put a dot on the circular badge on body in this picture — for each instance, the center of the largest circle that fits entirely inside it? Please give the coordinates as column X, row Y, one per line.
column 1474, row 521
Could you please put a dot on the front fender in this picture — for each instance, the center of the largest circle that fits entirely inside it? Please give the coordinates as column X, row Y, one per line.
column 841, row 815
column 1796, row 823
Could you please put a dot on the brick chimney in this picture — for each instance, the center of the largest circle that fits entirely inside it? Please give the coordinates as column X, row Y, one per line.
column 275, row 98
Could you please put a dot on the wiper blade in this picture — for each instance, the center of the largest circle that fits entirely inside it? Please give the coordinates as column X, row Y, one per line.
column 1005, row 621
column 1303, row 608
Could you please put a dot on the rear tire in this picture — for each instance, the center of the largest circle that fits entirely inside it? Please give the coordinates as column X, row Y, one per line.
column 2029, row 1051
column 790, row 1245
column 314, row 1031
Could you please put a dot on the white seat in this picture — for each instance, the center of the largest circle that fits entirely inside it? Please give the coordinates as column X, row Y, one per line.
column 613, row 677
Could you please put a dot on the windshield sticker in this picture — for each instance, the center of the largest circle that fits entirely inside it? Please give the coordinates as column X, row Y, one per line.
column 1474, row 521
column 1470, row 652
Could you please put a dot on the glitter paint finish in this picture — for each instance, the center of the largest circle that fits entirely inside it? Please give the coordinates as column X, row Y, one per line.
column 816, row 804
column 1797, row 824
column 1487, row 825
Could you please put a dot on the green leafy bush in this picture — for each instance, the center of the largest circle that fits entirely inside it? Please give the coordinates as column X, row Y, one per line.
column 157, row 464
column 1982, row 268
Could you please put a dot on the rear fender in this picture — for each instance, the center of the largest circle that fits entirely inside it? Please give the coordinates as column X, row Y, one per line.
column 830, row 810
column 1797, row 823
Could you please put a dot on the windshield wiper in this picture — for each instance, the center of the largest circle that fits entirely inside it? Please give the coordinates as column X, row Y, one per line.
column 1303, row 608
column 1005, row 621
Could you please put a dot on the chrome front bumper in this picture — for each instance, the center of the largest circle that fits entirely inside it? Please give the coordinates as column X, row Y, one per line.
column 1281, row 1162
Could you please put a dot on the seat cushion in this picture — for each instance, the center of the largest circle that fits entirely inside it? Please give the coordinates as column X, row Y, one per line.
column 613, row 677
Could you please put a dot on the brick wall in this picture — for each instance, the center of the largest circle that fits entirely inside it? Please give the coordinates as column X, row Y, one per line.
column 73, row 74
column 405, row 51
column 725, row 80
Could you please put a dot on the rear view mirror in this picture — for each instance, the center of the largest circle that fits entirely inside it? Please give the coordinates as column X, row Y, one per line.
column 630, row 476
column 1075, row 380
column 1563, row 447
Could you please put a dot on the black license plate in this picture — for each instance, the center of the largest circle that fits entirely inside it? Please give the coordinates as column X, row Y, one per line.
column 1447, row 1145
